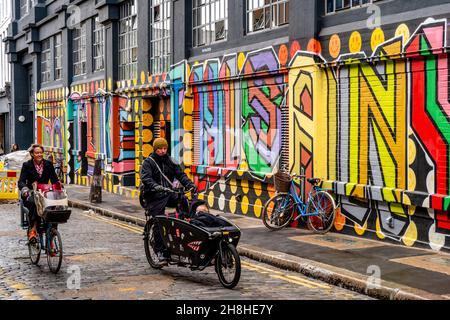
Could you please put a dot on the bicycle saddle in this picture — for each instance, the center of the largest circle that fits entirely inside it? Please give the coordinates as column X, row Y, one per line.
column 313, row 181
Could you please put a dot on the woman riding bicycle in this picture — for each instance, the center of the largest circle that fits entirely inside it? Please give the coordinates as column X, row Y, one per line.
column 35, row 170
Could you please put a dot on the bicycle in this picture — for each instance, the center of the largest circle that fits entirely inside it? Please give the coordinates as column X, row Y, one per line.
column 52, row 207
column 192, row 246
column 319, row 209
column 48, row 240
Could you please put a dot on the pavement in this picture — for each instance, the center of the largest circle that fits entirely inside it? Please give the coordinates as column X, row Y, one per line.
column 374, row 268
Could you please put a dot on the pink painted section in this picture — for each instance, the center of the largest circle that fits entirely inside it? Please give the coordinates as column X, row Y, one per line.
column 124, row 166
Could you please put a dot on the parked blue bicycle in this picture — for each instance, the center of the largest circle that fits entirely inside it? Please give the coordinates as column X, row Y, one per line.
column 318, row 210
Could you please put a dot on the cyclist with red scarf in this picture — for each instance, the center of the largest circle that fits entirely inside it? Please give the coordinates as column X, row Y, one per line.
column 35, row 170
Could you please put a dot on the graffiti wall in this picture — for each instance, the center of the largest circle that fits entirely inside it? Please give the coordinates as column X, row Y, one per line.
column 370, row 120
column 51, row 125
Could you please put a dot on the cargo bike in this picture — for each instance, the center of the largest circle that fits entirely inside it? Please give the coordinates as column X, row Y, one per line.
column 193, row 246
column 52, row 206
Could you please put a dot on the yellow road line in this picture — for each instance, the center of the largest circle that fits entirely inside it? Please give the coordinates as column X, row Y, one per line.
column 273, row 273
column 293, row 281
column 20, row 288
column 324, row 286
column 261, row 267
column 120, row 225
column 111, row 221
column 140, row 229
column 281, row 276
column 117, row 224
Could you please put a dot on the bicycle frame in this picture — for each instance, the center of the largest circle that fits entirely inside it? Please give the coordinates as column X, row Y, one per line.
column 299, row 204
column 45, row 230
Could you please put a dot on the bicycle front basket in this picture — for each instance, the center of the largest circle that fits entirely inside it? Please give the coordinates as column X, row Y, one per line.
column 282, row 181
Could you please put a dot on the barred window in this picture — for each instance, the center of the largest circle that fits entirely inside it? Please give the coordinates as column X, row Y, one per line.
column 24, row 7
column 266, row 14
column 337, row 5
column 45, row 60
column 79, row 50
column 58, row 57
column 98, row 44
column 128, row 49
column 210, row 21
column 160, row 33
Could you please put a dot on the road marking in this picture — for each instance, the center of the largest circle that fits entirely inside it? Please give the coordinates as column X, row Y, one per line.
column 293, row 281
column 249, row 266
column 324, row 286
column 140, row 230
column 20, row 288
column 109, row 220
column 117, row 224
column 279, row 275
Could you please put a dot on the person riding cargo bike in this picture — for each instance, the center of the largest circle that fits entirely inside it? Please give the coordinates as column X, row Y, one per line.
column 158, row 173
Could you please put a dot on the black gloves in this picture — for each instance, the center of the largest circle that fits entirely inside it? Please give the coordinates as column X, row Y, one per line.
column 159, row 188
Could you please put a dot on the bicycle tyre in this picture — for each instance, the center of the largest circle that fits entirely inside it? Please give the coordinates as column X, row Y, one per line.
column 150, row 253
column 286, row 217
column 323, row 221
column 55, row 254
column 229, row 252
column 34, row 249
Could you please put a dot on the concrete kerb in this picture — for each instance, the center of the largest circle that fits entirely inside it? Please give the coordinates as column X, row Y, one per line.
column 307, row 267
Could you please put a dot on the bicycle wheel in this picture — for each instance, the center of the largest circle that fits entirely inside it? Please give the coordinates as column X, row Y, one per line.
column 34, row 249
column 54, row 251
column 149, row 245
column 228, row 265
column 322, row 209
column 278, row 211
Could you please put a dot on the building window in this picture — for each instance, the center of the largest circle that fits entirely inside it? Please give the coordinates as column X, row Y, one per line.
column 24, row 7
column 58, row 57
column 266, row 14
column 45, row 60
column 128, row 49
column 160, row 36
column 210, row 21
column 338, row 5
column 79, row 50
column 98, row 45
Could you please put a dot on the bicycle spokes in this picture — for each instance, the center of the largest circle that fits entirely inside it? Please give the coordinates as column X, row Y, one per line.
column 321, row 212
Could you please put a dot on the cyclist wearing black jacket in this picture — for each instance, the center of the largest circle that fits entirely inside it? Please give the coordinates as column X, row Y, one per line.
column 159, row 171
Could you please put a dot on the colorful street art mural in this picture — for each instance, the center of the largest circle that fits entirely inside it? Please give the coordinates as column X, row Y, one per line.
column 371, row 120
column 367, row 115
column 51, row 125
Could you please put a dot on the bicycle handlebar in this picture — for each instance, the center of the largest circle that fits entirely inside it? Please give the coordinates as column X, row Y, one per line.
column 180, row 191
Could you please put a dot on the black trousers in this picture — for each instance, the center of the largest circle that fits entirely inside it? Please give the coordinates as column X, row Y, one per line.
column 155, row 208
column 33, row 217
